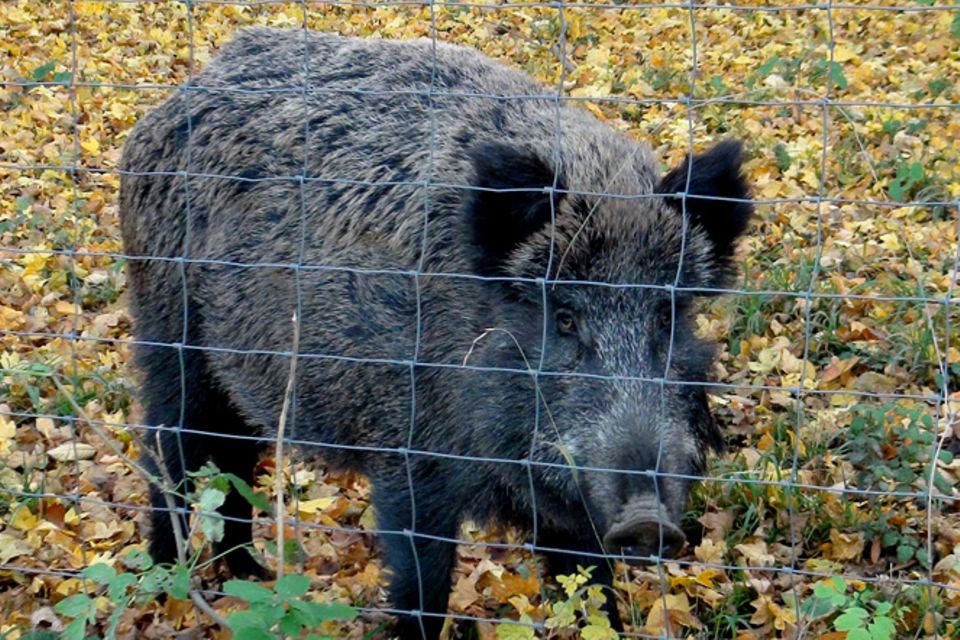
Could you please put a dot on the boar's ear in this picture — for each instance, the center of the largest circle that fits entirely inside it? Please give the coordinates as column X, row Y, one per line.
column 499, row 221
column 715, row 174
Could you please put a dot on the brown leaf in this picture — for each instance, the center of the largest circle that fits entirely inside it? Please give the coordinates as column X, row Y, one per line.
column 845, row 546
column 464, row 593
column 511, row 584
column 717, row 524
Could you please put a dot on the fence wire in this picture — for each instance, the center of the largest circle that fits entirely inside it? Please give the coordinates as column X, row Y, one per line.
column 774, row 562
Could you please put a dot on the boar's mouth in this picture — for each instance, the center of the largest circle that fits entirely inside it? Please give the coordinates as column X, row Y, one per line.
column 640, row 530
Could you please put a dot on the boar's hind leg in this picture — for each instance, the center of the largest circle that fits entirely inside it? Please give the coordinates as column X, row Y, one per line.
column 564, row 563
column 239, row 457
column 420, row 566
column 204, row 409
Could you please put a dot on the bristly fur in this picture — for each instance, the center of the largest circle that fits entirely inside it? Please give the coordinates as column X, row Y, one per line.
column 387, row 158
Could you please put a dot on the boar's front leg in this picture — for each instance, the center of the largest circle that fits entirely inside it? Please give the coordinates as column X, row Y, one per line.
column 420, row 563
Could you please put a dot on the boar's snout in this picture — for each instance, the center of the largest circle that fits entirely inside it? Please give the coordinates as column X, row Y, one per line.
column 639, row 528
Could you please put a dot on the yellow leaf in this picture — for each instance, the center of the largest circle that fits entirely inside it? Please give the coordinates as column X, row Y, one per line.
column 71, row 518
column 755, row 554
column 64, row 308
column 845, row 546
column 842, row 53
column 90, row 145
column 7, row 432
column 11, row 547
column 310, row 507
column 23, row 519
column 710, row 551
column 707, row 576
column 45, row 426
column 674, row 607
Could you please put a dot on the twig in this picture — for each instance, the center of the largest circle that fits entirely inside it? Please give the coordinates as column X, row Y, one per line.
column 281, row 429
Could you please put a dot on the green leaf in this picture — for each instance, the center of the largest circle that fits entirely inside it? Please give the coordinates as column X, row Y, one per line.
column 248, row 619
column 21, row 204
column 597, row 632
column 514, row 631
column 76, row 630
column 824, row 591
column 113, row 621
column 62, row 76
column 955, row 25
column 905, row 553
column 836, row 75
column 292, row 623
column 41, row 72
column 767, row 67
column 100, row 573
column 211, row 500
column 75, row 606
column 817, row 608
column 117, row 591
column 249, row 592
column 324, row 611
column 941, row 483
column 292, row 586
column 257, row 500
column 882, row 629
column 337, row 611
column 916, row 172
column 852, row 618
column 179, row 586
column 783, row 158
column 252, row 633
column 212, row 525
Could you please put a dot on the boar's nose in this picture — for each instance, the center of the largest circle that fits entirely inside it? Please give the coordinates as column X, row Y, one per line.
column 639, row 528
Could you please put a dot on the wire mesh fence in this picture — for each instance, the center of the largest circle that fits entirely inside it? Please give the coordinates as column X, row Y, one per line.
column 832, row 510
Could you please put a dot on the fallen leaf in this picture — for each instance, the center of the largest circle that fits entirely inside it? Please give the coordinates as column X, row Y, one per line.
column 72, row 451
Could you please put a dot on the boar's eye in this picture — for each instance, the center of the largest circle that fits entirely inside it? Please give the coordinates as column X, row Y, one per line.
column 665, row 318
column 566, row 323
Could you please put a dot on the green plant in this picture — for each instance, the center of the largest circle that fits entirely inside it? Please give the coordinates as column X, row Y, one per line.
column 143, row 581
column 890, row 448
column 861, row 615
column 581, row 608
column 732, row 615
column 783, row 157
column 281, row 608
column 909, row 175
column 902, row 465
